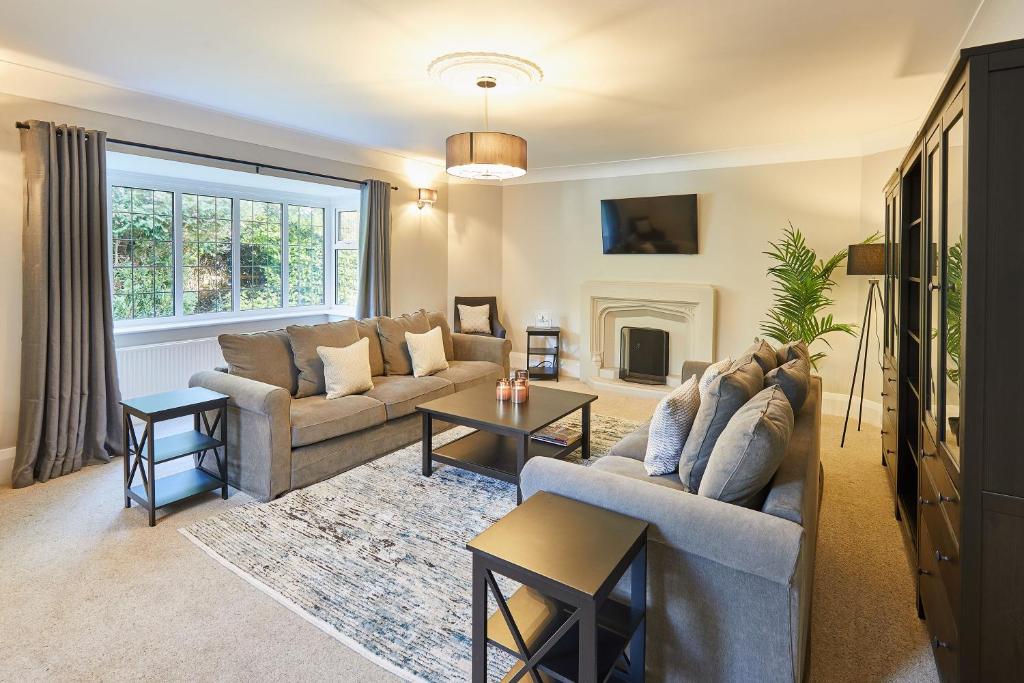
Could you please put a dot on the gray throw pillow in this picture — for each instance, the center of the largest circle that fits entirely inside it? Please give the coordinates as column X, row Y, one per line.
column 749, row 450
column 763, row 353
column 305, row 339
column 261, row 356
column 725, row 395
column 673, row 418
column 794, row 378
column 392, row 340
column 791, row 351
column 437, row 319
column 368, row 330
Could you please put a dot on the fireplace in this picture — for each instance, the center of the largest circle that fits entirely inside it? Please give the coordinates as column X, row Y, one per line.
column 643, row 355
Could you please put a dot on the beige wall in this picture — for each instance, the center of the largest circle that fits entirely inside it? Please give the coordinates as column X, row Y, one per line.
column 474, row 241
column 997, row 21
column 419, row 238
column 552, row 244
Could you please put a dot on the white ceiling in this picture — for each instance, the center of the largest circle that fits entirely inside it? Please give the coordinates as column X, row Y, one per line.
column 622, row 80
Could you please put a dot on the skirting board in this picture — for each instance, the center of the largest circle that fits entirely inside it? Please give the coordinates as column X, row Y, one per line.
column 831, row 404
column 6, row 466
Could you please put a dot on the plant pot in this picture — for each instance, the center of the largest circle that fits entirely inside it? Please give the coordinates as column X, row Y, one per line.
column 954, row 428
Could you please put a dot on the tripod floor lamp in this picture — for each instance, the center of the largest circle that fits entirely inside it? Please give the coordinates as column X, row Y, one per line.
column 864, row 259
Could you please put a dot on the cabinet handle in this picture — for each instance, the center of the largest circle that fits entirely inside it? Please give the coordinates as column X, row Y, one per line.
column 884, row 432
column 890, row 410
column 942, row 558
column 924, row 501
column 936, row 643
column 889, row 450
column 932, row 286
column 923, row 572
column 947, row 499
column 885, row 393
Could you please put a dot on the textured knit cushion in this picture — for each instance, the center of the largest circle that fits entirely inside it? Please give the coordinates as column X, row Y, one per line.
column 261, row 356
column 475, row 319
column 438, row 320
column 305, row 339
column 764, row 354
column 427, row 352
column 794, row 378
column 726, row 394
column 711, row 374
column 791, row 351
column 368, row 330
column 669, row 428
column 346, row 369
column 749, row 450
column 392, row 340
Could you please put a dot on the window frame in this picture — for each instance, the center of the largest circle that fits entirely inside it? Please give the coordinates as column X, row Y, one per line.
column 337, row 245
column 180, row 186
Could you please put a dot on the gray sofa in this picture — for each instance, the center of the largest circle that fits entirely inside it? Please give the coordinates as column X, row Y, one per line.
column 729, row 588
column 280, row 441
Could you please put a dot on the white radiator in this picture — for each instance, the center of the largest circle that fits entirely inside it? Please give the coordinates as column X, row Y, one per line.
column 152, row 368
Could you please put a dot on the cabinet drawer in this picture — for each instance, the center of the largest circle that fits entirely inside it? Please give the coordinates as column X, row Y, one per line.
column 888, row 434
column 940, row 618
column 945, row 547
column 945, row 493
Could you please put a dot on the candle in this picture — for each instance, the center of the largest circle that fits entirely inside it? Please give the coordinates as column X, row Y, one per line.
column 524, row 377
column 504, row 390
column 519, row 392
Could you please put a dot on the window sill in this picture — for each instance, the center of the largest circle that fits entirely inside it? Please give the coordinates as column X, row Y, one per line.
column 153, row 326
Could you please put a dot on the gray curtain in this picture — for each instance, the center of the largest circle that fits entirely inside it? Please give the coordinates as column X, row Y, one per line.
column 69, row 414
column 374, row 250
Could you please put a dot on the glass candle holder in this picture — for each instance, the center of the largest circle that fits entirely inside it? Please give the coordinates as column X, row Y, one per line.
column 524, row 377
column 519, row 392
column 504, row 390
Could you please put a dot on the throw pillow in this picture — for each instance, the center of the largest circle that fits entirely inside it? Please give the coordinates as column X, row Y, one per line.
column 791, row 351
column 305, row 339
column 427, row 352
column 438, row 320
column 749, row 450
column 392, row 340
column 794, row 378
column 673, row 418
column 712, row 373
column 475, row 319
column 261, row 356
column 346, row 369
column 725, row 395
column 764, row 354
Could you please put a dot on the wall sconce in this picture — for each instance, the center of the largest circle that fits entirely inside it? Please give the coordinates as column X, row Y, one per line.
column 426, row 197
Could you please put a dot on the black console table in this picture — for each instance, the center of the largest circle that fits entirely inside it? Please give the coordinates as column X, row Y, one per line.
column 141, row 456
column 548, row 365
column 562, row 624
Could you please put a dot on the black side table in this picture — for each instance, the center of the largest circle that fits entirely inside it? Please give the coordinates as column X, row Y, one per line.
column 561, row 623
column 142, row 456
column 549, row 364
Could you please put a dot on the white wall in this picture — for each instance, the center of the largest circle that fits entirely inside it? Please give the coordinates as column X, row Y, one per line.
column 552, row 244
column 996, row 21
column 474, row 241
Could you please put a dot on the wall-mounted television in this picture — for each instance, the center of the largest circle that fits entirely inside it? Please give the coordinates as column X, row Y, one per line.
column 650, row 225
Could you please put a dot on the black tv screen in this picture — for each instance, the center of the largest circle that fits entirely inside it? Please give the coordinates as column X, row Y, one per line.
column 650, row 225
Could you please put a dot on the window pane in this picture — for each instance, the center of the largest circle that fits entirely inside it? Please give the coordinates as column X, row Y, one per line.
column 305, row 256
column 346, row 270
column 348, row 226
column 206, row 254
column 261, row 234
column 142, row 253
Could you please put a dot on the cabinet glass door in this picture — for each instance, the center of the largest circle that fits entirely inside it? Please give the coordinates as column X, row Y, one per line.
column 952, row 268
column 934, row 339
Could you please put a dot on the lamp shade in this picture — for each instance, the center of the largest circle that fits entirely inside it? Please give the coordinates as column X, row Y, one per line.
column 485, row 156
column 866, row 259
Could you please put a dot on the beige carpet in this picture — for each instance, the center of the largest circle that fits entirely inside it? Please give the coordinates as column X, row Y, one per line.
column 89, row 592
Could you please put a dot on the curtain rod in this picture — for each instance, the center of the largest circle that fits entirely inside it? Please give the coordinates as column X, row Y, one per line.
column 214, row 157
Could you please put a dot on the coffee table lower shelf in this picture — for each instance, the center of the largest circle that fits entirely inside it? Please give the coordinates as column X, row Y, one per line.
column 494, row 455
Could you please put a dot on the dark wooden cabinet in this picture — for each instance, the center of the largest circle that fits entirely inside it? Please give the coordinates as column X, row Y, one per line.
column 953, row 390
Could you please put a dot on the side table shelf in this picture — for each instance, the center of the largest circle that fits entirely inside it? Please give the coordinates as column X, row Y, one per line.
column 548, row 365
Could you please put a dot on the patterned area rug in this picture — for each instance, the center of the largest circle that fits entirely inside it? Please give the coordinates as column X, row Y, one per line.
column 376, row 556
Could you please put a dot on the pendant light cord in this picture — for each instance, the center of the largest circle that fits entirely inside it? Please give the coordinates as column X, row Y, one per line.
column 487, row 125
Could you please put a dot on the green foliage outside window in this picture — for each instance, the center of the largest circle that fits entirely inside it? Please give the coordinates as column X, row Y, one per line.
column 143, row 253
column 305, row 256
column 260, row 238
column 206, row 253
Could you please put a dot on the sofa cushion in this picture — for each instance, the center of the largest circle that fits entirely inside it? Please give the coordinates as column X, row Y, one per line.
column 633, row 445
column 712, row 373
column 262, row 356
column 392, row 340
column 726, row 394
column 634, row 469
column 795, row 491
column 400, row 394
column 346, row 369
column 305, row 339
column 368, row 330
column 426, row 351
column 749, row 450
column 437, row 319
column 791, row 351
column 669, row 427
column 467, row 373
column 763, row 353
column 794, row 378
column 315, row 418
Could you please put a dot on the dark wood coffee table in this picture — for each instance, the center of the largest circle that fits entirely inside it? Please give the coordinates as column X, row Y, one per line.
column 501, row 445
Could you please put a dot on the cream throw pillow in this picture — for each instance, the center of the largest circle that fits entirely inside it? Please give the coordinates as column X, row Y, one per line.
column 427, row 352
column 475, row 318
column 346, row 369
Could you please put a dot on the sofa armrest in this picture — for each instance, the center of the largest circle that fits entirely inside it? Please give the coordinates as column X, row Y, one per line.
column 259, row 432
column 477, row 347
column 745, row 540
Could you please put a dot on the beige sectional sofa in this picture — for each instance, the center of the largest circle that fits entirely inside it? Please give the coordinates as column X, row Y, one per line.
column 283, row 433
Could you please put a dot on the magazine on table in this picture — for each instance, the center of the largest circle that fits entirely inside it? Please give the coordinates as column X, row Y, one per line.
column 558, row 435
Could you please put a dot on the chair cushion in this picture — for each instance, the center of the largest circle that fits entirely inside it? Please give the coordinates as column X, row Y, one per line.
column 726, row 394
column 426, row 351
column 305, row 339
column 392, row 340
column 673, row 418
column 315, row 418
column 749, row 450
column 794, row 377
column 467, row 373
column 346, row 369
column 261, row 356
column 634, row 469
column 633, row 445
column 475, row 319
column 437, row 319
column 400, row 394
column 368, row 330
